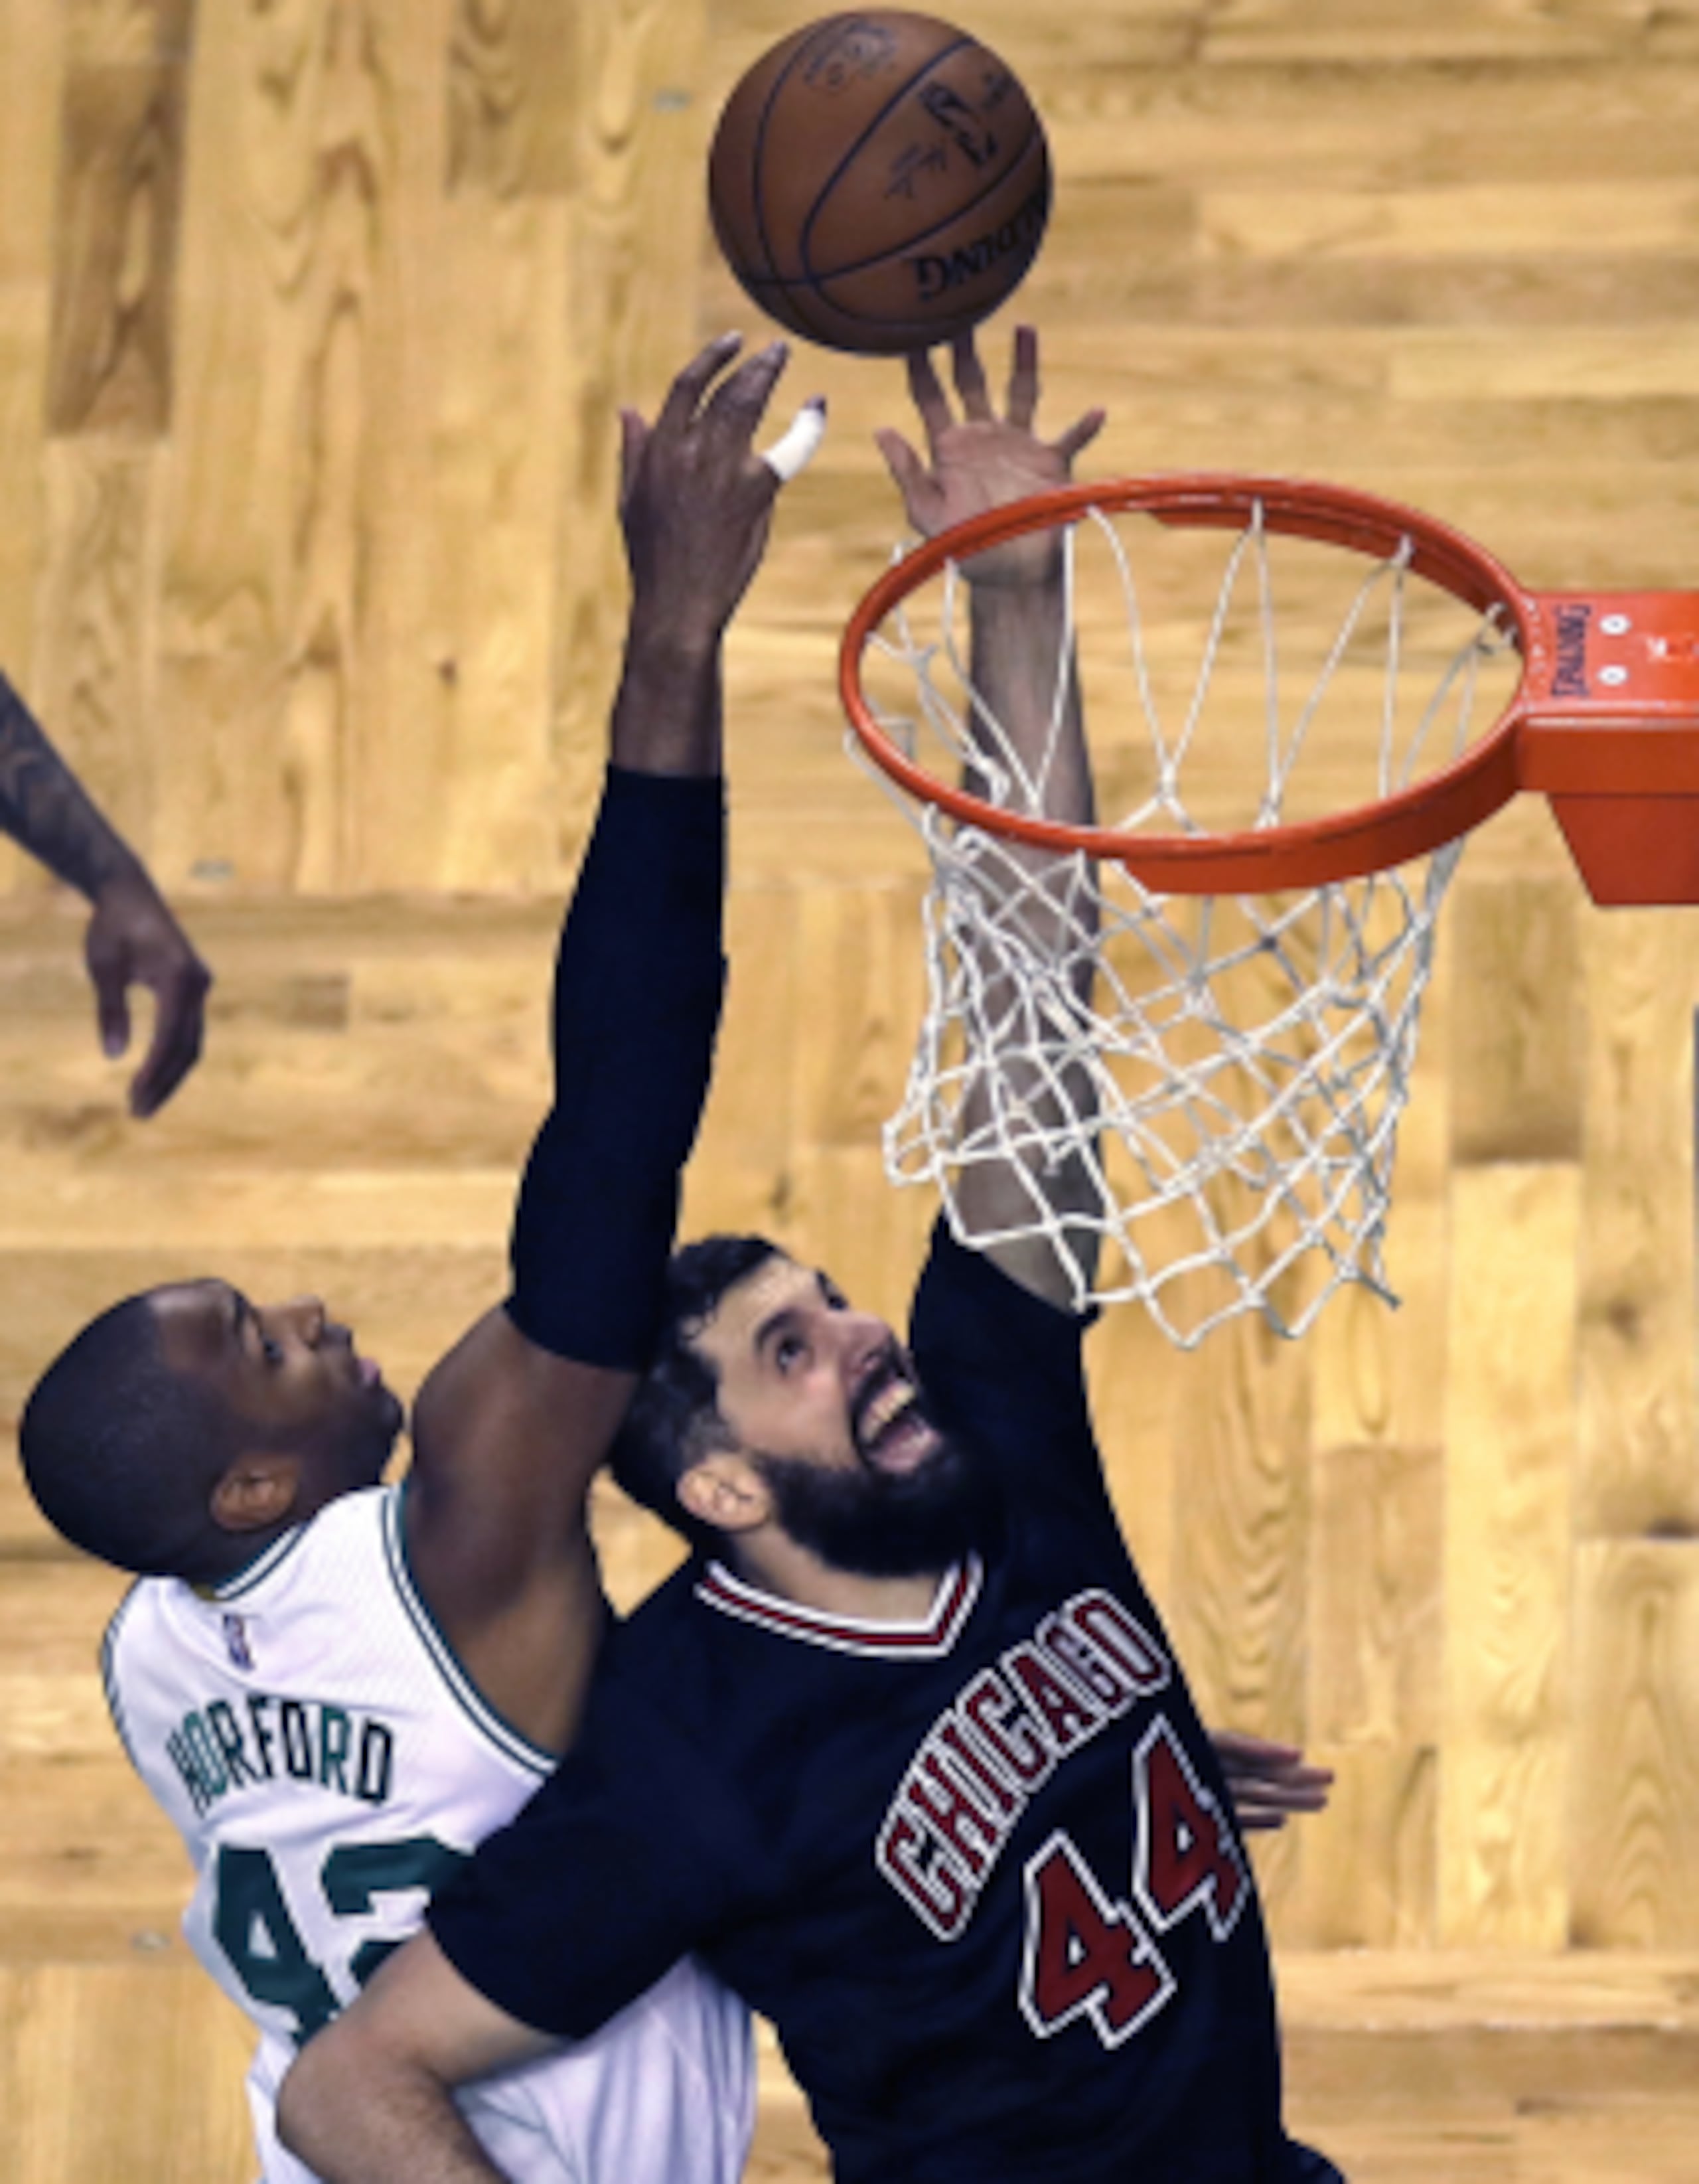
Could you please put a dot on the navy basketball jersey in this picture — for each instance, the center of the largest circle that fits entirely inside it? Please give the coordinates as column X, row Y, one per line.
column 980, row 1871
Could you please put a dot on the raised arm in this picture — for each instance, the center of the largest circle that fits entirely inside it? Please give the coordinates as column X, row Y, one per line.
column 132, row 938
column 510, row 1427
column 1024, row 673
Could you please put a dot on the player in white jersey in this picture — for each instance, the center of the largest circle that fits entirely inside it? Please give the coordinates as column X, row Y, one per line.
column 334, row 1688
column 327, row 1772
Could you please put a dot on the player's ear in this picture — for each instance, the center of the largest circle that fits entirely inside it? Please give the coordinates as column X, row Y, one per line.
column 725, row 1491
column 255, row 1491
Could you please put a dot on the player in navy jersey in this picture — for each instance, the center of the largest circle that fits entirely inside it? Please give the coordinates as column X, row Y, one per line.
column 903, row 1751
column 335, row 1688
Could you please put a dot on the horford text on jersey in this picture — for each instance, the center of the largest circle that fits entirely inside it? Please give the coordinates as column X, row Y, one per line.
column 224, row 1746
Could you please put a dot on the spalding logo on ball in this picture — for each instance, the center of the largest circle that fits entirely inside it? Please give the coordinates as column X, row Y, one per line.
column 879, row 183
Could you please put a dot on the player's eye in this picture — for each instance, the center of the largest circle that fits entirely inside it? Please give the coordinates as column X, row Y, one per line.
column 270, row 1349
column 789, row 1352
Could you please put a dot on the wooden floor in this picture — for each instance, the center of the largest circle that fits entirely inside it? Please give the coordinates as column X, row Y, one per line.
column 313, row 322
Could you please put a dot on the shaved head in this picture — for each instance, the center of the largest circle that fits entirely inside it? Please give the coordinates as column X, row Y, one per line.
column 138, row 1435
column 121, row 1451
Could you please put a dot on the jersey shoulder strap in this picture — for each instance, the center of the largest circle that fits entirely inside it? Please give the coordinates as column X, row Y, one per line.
column 492, row 1726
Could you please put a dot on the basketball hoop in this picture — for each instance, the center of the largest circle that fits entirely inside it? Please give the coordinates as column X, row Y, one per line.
column 1231, row 1075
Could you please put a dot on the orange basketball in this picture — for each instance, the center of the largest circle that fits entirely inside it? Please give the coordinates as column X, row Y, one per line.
column 879, row 181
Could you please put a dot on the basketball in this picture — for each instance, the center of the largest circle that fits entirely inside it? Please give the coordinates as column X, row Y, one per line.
column 879, row 183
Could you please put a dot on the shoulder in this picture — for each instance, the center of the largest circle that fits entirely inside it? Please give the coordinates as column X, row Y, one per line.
column 365, row 1525
column 969, row 1315
column 671, row 1695
column 133, row 1610
column 130, row 1635
column 347, row 1543
column 661, row 1645
column 368, row 1513
column 142, row 1651
column 649, row 1755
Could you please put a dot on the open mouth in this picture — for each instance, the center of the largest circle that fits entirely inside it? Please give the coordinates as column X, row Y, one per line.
column 893, row 1432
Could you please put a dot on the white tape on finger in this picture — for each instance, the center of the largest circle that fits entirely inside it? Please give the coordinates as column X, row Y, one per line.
column 794, row 448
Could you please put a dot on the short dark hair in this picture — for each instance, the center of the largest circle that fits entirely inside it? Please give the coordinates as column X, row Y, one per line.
column 674, row 1418
column 122, row 1451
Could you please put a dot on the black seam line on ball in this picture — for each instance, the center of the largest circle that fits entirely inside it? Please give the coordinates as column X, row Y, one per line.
column 816, row 283
column 933, row 61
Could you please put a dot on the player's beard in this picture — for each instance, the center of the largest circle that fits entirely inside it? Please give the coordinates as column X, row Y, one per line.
column 870, row 1522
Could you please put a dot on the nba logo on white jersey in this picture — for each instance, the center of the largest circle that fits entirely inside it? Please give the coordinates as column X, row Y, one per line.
column 235, row 1642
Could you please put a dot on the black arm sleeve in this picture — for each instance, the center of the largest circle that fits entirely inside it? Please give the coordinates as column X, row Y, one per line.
column 637, row 987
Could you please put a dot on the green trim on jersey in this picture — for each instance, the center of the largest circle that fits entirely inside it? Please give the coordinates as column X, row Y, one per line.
column 502, row 1734
column 256, row 1572
column 108, row 1676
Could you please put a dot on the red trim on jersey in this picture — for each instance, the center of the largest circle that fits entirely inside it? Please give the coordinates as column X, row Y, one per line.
column 926, row 1641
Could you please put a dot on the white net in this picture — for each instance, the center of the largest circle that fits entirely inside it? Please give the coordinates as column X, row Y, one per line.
column 1221, row 1078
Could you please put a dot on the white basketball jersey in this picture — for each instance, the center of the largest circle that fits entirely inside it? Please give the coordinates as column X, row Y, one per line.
column 328, row 1765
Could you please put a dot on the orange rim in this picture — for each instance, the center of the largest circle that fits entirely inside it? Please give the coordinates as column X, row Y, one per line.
column 1307, row 853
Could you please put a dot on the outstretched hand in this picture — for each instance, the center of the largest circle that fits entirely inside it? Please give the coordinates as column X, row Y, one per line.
column 133, row 941
column 695, row 498
column 981, row 460
column 1270, row 1782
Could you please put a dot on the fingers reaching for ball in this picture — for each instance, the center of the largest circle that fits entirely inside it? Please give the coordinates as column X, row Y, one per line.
column 1024, row 378
column 979, row 460
column 684, row 396
column 695, row 498
column 726, row 419
column 970, row 380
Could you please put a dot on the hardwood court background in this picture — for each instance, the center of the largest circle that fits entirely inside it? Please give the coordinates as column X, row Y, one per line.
column 314, row 317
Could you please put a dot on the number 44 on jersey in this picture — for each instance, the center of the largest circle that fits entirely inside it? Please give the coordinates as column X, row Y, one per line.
column 1088, row 1955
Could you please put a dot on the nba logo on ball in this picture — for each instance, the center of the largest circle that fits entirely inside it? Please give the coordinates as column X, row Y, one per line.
column 879, row 183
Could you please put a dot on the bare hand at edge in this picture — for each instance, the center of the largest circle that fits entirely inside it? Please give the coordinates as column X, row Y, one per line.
column 133, row 941
column 1270, row 1782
